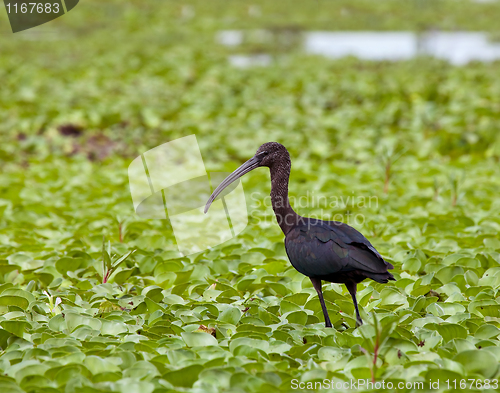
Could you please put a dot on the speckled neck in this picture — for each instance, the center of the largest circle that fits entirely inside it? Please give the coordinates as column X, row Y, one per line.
column 280, row 174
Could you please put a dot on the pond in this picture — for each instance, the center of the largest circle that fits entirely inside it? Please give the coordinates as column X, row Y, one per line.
column 458, row 48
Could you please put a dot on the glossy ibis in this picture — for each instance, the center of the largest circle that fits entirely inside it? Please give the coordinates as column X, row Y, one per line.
column 322, row 250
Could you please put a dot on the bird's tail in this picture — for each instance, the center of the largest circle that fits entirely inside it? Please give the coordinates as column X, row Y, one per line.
column 381, row 277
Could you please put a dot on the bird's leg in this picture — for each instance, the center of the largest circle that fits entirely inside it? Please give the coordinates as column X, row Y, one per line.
column 316, row 282
column 352, row 287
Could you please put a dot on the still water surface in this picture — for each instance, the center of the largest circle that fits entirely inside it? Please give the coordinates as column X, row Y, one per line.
column 456, row 47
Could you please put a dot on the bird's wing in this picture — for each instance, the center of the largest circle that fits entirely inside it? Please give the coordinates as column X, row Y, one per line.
column 325, row 248
column 349, row 235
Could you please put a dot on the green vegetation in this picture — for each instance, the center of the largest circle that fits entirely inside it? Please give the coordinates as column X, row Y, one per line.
column 418, row 141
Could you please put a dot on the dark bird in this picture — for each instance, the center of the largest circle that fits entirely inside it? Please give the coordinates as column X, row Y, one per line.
column 322, row 250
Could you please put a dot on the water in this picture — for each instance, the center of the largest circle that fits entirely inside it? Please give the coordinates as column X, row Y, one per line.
column 245, row 61
column 458, row 48
column 364, row 45
column 230, row 37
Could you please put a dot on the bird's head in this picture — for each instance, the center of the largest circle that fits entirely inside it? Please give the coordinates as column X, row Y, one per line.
column 267, row 155
column 270, row 153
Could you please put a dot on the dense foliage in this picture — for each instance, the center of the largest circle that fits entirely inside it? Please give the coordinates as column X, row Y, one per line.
column 408, row 153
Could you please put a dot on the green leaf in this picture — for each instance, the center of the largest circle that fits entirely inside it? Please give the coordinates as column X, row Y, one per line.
column 112, row 328
column 198, row 339
column 98, row 365
column 299, row 317
column 19, row 292
column 230, row 315
column 106, row 260
column 66, row 264
column 391, row 296
column 412, row 265
column 184, row 377
column 15, row 327
column 74, row 320
column 486, row 331
column 122, row 259
column 8, row 300
column 448, row 331
column 479, row 362
column 58, row 323
column 492, row 242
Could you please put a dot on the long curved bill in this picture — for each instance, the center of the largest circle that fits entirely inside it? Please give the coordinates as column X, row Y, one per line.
column 248, row 166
